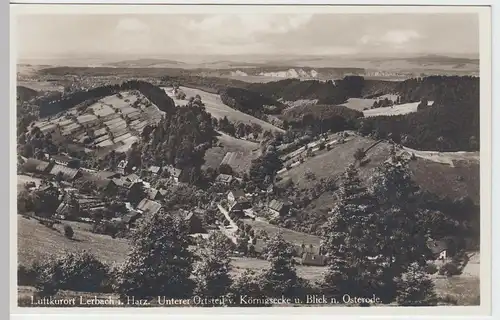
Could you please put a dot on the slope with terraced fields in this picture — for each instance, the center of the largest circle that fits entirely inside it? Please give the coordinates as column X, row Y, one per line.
column 113, row 122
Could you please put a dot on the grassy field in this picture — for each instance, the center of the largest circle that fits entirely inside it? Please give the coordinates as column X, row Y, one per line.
column 359, row 103
column 458, row 181
column 239, row 265
column 392, row 111
column 334, row 162
column 41, row 86
column 217, row 109
column 453, row 174
column 36, row 241
column 214, row 156
column 465, row 290
column 289, row 235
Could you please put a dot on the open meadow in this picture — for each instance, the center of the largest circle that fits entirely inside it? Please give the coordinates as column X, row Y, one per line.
column 219, row 110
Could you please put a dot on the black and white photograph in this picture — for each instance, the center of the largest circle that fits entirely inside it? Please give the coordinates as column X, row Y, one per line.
column 222, row 156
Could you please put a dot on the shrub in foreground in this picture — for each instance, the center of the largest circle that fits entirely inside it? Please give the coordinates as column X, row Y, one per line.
column 74, row 271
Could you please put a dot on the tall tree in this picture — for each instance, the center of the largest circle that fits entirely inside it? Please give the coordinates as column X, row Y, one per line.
column 404, row 237
column 281, row 278
column 265, row 166
column 159, row 262
column 402, row 226
column 415, row 288
column 349, row 241
column 211, row 271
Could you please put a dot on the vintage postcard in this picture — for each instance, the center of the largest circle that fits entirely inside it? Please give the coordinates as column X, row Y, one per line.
column 192, row 156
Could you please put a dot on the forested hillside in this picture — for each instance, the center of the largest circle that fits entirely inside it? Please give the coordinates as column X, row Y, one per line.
column 321, row 118
column 156, row 95
column 451, row 124
column 250, row 102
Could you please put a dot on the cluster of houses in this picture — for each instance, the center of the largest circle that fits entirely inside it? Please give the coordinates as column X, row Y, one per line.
column 108, row 183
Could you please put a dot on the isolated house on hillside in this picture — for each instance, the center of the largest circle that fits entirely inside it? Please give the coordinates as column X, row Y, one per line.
column 278, row 207
column 438, row 248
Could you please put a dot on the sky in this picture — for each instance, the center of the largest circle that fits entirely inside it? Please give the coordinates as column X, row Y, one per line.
column 45, row 36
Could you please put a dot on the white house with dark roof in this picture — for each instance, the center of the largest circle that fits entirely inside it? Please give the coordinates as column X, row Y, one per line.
column 121, row 166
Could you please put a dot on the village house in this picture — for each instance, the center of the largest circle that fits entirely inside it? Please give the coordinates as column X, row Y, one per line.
column 225, row 179
column 67, row 174
column 103, row 185
column 66, row 161
column 278, row 208
column 121, row 183
column 155, row 194
column 132, row 177
column 154, row 170
column 312, row 259
column 238, row 200
column 44, row 187
column 172, row 172
column 130, row 218
column 120, row 168
column 149, row 206
column 103, row 174
column 439, row 249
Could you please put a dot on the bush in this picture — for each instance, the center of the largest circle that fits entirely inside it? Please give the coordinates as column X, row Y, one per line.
column 68, row 232
column 359, row 154
column 78, row 272
column 26, row 276
column 449, row 269
column 415, row 288
column 431, row 268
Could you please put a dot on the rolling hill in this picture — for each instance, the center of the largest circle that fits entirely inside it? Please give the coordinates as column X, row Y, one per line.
column 432, row 172
column 218, row 109
column 25, row 93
